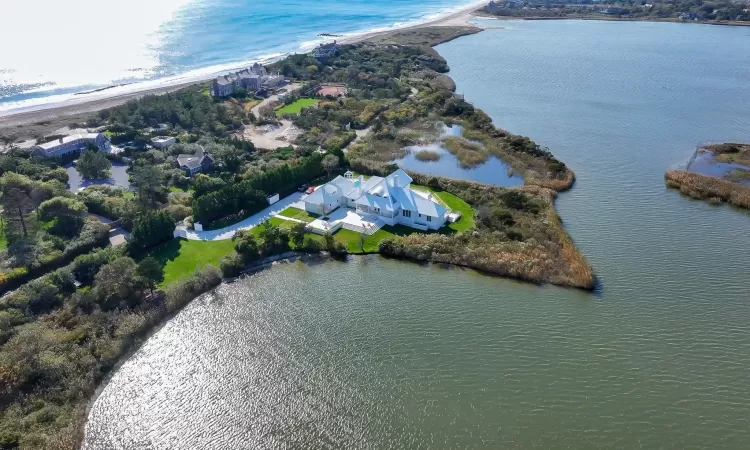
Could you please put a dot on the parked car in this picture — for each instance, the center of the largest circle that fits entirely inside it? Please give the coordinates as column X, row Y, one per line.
column 310, row 190
column 303, row 188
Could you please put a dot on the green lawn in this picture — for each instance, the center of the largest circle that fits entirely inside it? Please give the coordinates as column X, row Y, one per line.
column 456, row 204
column 181, row 257
column 296, row 107
column 177, row 189
column 353, row 242
column 299, row 214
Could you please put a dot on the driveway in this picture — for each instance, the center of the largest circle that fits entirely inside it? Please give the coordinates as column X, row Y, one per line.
column 256, row 219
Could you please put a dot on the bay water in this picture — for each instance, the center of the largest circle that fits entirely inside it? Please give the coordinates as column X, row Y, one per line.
column 376, row 353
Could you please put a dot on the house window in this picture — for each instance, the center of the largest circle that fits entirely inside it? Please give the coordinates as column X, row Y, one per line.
column 429, row 218
column 406, row 213
column 377, row 210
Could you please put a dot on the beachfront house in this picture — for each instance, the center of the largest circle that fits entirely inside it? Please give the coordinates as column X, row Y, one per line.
column 390, row 200
column 252, row 79
column 73, row 143
column 197, row 163
column 325, row 50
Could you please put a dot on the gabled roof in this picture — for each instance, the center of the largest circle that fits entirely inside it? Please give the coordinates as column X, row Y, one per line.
column 399, row 178
column 375, row 201
column 325, row 194
column 428, row 207
column 193, row 161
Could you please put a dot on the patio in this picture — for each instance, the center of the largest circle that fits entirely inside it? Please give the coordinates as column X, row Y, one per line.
column 345, row 218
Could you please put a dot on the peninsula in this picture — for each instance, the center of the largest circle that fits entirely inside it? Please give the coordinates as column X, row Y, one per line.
column 81, row 299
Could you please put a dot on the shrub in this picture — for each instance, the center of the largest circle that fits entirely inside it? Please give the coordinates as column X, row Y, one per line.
column 231, row 265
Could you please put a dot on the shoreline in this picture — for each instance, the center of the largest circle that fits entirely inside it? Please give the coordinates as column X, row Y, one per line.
column 730, row 23
column 18, row 117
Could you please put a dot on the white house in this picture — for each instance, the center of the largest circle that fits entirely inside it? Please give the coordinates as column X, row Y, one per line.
column 390, row 199
column 72, row 143
column 162, row 141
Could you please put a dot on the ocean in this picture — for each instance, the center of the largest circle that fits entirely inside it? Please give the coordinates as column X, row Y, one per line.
column 65, row 47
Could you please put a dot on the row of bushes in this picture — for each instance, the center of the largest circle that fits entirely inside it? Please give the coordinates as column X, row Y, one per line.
column 93, row 234
column 250, row 195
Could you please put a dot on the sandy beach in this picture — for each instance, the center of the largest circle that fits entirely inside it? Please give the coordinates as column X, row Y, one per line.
column 42, row 118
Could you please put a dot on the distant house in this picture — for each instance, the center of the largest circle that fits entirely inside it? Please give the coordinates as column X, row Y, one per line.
column 162, row 141
column 273, row 81
column 73, row 143
column 249, row 80
column 688, row 16
column 200, row 162
column 325, row 50
column 222, row 86
column 253, row 79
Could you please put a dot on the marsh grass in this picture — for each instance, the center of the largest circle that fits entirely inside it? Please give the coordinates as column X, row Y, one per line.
column 427, row 155
column 469, row 154
column 533, row 246
column 713, row 189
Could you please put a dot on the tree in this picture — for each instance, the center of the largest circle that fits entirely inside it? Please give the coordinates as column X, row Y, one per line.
column 246, row 245
column 150, row 272
column 116, row 283
column 151, row 229
column 229, row 158
column 329, row 163
column 67, row 212
column 275, row 239
column 203, row 184
column 17, row 202
column 93, row 165
column 267, row 112
column 148, row 181
column 297, row 234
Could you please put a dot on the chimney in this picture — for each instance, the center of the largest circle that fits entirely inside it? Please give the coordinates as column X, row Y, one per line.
column 61, row 140
column 395, row 180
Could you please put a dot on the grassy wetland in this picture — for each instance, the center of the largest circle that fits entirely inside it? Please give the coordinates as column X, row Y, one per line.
column 718, row 173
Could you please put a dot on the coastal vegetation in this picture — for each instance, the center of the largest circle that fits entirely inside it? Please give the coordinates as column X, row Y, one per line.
column 713, row 189
column 78, row 308
column 468, row 153
column 726, row 177
column 517, row 234
column 427, row 155
column 660, row 10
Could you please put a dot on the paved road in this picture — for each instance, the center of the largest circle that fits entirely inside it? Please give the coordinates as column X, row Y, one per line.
column 252, row 221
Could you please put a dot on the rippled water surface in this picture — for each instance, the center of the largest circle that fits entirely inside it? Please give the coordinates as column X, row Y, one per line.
column 377, row 354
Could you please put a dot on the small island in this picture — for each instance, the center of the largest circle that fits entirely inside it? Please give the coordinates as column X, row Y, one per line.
column 716, row 173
